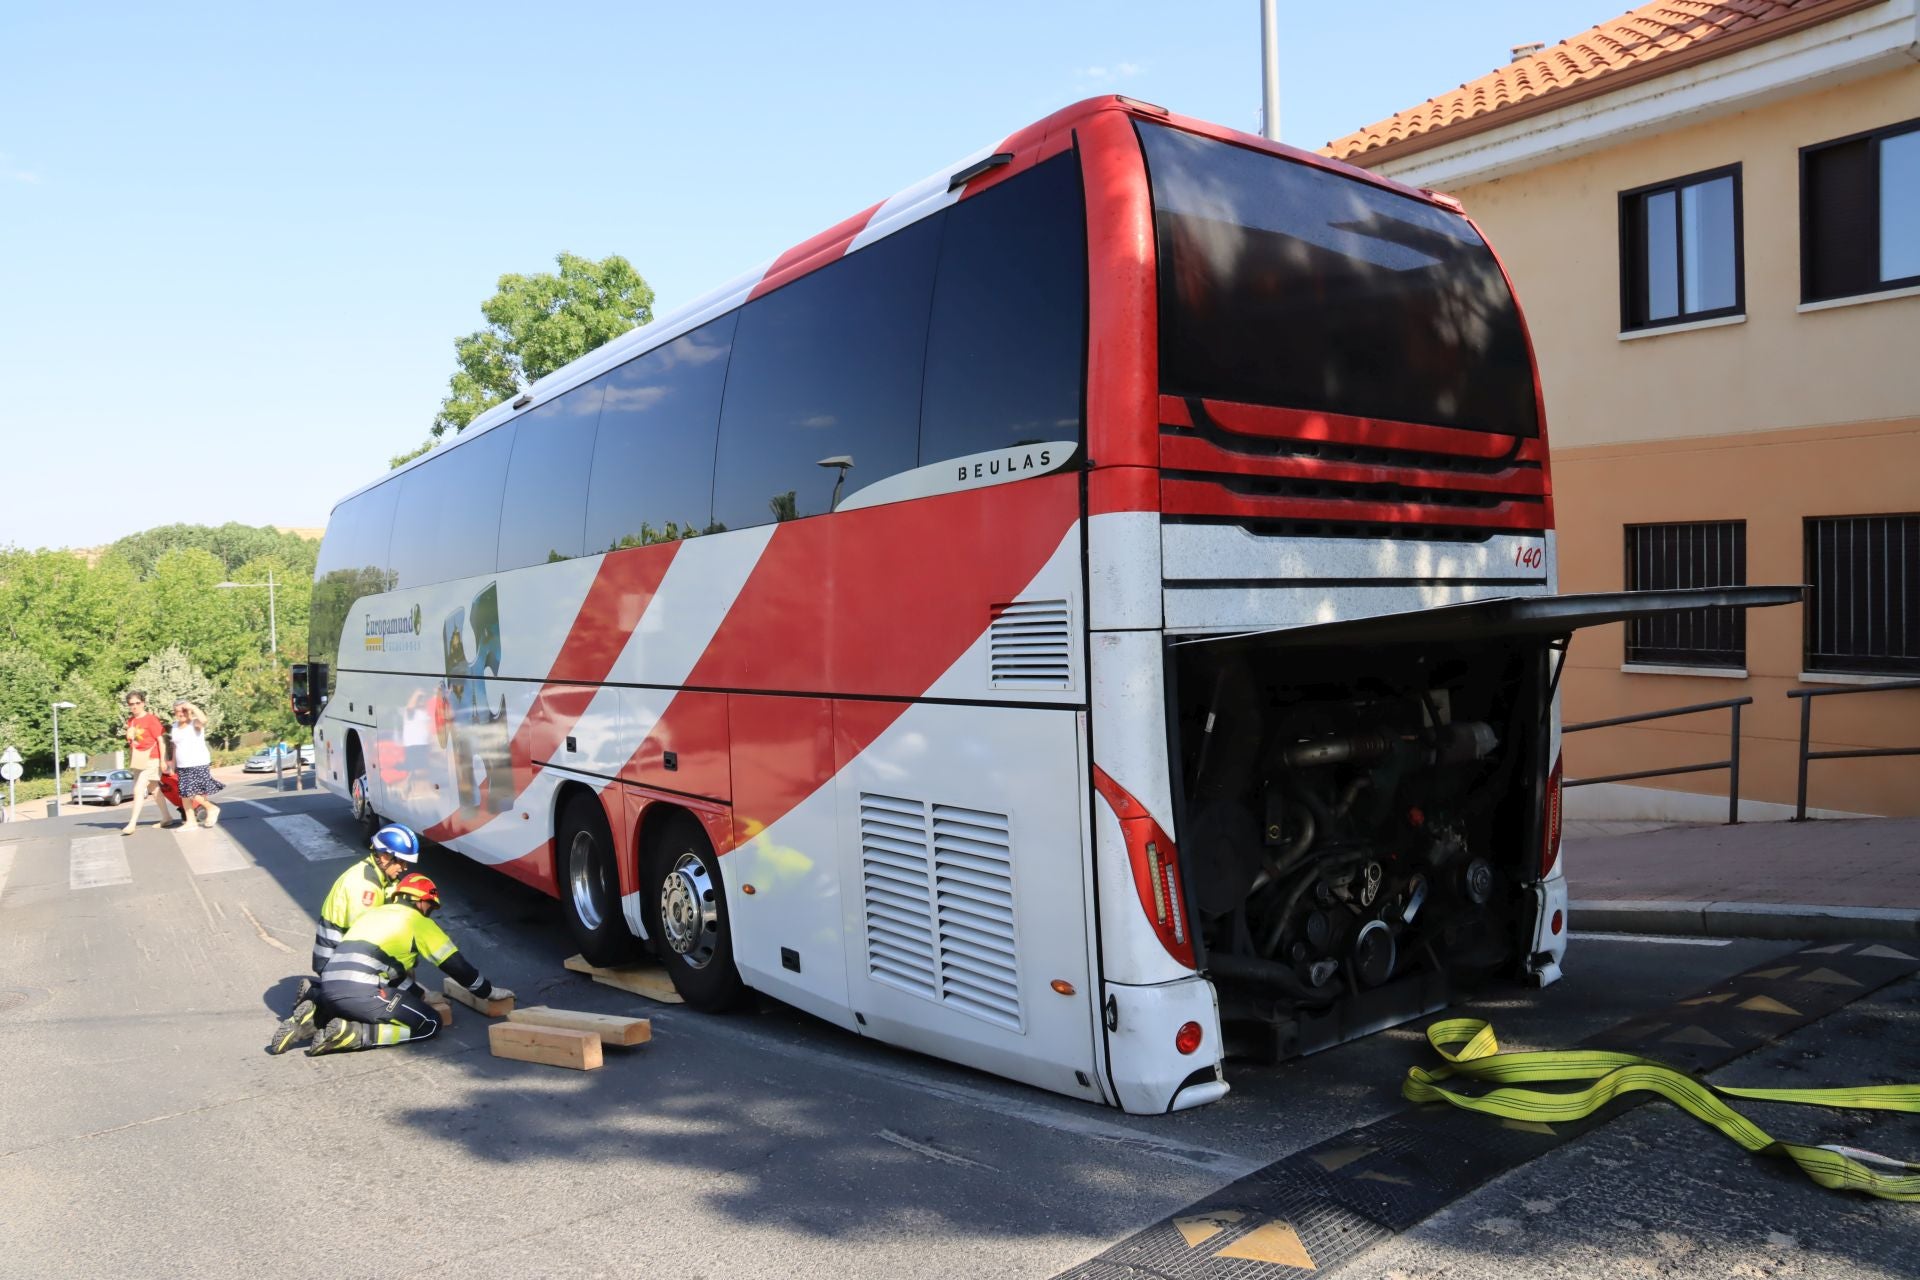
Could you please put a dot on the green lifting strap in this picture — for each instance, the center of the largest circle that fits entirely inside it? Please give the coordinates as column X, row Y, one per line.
column 1472, row 1053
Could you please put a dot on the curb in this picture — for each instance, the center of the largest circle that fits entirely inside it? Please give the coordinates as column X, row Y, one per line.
column 1778, row 921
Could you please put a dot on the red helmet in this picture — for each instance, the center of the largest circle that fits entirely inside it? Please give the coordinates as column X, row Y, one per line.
column 419, row 889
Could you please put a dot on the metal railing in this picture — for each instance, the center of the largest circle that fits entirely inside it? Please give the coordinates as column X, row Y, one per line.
column 1806, row 697
column 1731, row 764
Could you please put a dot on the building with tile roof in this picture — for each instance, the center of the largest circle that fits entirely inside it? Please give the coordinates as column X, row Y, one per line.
column 1710, row 210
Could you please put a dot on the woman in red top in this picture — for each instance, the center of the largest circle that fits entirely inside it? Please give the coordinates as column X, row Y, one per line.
column 146, row 752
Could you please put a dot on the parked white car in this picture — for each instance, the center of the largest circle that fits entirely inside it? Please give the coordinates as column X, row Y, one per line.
column 114, row 787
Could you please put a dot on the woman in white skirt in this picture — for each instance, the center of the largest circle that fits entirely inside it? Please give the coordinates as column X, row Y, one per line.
column 194, row 760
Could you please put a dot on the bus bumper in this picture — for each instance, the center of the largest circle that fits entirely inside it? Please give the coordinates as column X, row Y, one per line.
column 1150, row 1073
column 1550, row 926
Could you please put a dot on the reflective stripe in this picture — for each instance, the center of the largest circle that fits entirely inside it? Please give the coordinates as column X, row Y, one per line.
column 334, row 974
column 328, row 932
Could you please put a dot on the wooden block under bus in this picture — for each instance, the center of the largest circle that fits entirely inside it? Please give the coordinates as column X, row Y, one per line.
column 493, row 1008
column 551, row 1046
column 650, row 981
column 442, row 1010
column 611, row 1028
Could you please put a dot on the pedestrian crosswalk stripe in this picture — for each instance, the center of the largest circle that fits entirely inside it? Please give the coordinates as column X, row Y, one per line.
column 210, row 852
column 311, row 838
column 94, row 862
column 6, row 865
column 261, row 805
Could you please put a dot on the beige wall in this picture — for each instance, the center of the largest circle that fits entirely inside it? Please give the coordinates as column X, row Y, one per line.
column 1783, row 416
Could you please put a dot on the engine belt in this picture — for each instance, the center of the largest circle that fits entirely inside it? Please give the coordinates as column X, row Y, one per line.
column 1472, row 1053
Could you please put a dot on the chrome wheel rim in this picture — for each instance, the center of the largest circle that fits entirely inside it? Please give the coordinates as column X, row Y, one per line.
column 689, row 911
column 362, row 807
column 580, row 880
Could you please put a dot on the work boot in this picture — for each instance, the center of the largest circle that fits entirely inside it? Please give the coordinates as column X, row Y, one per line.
column 341, row 1036
column 305, row 991
column 297, row 1026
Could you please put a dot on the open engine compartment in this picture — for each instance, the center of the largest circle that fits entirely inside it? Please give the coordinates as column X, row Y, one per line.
column 1360, row 826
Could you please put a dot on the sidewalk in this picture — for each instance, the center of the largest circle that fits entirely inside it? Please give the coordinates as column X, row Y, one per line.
column 231, row 775
column 1826, row 879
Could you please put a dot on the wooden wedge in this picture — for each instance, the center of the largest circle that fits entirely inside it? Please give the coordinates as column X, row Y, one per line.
column 553, row 1046
column 610, row 1028
column 650, row 981
column 493, row 1008
column 442, row 1009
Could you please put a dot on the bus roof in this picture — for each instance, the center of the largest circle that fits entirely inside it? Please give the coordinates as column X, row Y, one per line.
column 945, row 186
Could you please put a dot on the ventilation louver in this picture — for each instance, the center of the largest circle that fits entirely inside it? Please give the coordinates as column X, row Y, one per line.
column 937, row 883
column 1030, row 645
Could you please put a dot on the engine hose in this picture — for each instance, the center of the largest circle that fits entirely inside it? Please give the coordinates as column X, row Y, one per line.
column 1270, row 973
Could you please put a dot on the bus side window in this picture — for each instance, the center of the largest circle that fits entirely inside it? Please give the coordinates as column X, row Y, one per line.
column 823, row 397
column 448, row 522
column 653, row 463
column 1006, row 344
column 544, row 508
column 353, row 563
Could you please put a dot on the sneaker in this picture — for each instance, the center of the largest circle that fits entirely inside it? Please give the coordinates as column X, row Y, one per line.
column 213, row 815
column 297, row 1026
column 338, row 1036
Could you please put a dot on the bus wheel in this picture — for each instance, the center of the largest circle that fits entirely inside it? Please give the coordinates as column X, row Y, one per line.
column 590, row 884
column 682, row 875
column 363, row 813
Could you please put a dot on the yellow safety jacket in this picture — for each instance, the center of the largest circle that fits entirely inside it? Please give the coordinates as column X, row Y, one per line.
column 360, row 888
column 384, row 944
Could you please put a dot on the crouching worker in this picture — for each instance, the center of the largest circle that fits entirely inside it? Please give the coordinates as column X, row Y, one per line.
column 367, row 992
column 360, row 888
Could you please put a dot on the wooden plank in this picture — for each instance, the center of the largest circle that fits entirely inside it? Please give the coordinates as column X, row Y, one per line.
column 611, row 1028
column 553, row 1046
column 650, row 981
column 493, row 1008
column 441, row 1009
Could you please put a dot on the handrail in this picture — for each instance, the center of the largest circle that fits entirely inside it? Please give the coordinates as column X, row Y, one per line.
column 1731, row 764
column 1806, row 697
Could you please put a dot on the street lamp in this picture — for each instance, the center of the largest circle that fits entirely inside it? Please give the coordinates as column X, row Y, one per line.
column 273, row 626
column 843, row 462
column 53, row 805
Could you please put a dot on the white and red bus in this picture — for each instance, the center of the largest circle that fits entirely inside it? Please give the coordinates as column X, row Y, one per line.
column 1085, row 615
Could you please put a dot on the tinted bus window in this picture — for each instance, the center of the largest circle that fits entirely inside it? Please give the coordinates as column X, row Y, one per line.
column 653, row 464
column 1287, row 285
column 448, row 522
column 352, row 563
column 1005, row 346
column 827, row 369
column 545, row 505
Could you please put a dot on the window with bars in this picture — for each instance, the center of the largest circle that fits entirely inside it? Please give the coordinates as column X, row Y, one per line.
column 1666, row 556
column 1680, row 251
column 1863, row 612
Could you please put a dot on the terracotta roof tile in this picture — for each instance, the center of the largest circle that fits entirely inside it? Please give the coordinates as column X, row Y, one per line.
column 1630, row 42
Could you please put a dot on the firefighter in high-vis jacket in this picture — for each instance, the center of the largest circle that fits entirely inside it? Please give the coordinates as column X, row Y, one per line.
column 367, row 991
column 360, row 888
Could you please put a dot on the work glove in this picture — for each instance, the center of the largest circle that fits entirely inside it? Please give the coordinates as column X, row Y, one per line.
column 499, row 993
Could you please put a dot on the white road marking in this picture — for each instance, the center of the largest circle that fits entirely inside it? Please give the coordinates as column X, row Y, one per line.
column 1652, row 937
column 94, row 862
column 6, row 865
column 261, row 805
column 210, row 852
column 308, row 835
column 932, row 1153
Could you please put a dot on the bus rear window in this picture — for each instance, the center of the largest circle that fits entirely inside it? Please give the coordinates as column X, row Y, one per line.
column 1282, row 284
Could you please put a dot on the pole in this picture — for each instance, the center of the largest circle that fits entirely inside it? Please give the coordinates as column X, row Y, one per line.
column 53, row 805
column 1269, row 72
column 273, row 625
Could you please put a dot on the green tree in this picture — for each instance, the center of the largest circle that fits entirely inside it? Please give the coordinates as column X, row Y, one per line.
column 256, row 697
column 170, row 676
column 399, row 460
column 232, row 544
column 189, row 612
column 537, row 323
column 53, row 604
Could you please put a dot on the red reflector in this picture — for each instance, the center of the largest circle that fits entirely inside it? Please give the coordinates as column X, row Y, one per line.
column 1187, row 1038
column 1557, row 922
column 1550, row 836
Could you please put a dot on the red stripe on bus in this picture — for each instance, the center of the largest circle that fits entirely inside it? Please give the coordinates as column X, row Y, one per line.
column 1201, row 498
column 1111, row 489
column 1189, row 453
column 1341, row 428
column 1123, row 382
column 812, row 254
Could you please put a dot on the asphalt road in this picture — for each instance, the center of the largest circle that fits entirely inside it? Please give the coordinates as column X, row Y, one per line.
column 143, row 1131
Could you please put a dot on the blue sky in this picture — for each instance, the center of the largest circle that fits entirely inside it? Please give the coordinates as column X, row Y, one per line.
column 236, row 243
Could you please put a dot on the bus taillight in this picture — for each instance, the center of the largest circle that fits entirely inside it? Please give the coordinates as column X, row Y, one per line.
column 1550, row 833
column 1156, row 868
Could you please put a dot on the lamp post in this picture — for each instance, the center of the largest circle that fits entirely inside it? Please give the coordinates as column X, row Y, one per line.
column 1269, row 72
column 273, row 625
column 53, row 805
column 843, row 462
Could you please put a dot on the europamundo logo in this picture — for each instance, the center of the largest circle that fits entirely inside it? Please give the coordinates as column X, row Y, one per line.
column 393, row 635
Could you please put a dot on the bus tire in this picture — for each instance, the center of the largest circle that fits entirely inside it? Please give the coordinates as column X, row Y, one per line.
column 687, row 913
column 589, row 880
column 364, row 816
